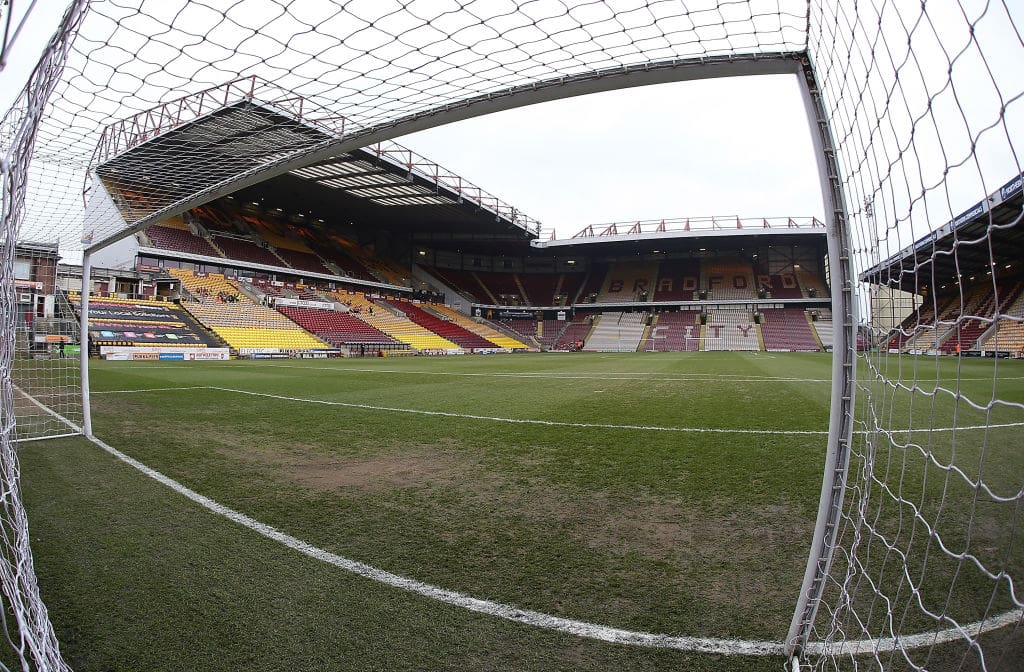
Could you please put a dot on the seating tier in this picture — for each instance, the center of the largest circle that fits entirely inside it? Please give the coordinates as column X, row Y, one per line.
column 448, row 330
column 787, row 329
column 335, row 327
column 482, row 330
column 674, row 332
column 168, row 238
column 730, row 329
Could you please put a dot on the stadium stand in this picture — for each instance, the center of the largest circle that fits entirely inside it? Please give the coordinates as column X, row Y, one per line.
column 545, row 333
column 540, row 288
column 617, row 332
column 213, row 219
column 179, row 239
column 787, row 329
column 387, row 271
column 496, row 337
column 730, row 329
column 350, row 258
column 575, row 332
column 261, row 338
column 303, row 261
column 149, row 322
column 967, row 332
column 1009, row 338
column 811, row 286
column 629, row 281
column 727, row 279
column 677, row 280
column 503, row 287
column 674, row 332
column 930, row 334
column 220, row 305
column 822, row 323
column 568, row 289
column 549, row 331
column 337, row 328
column 396, row 326
column 903, row 336
column 243, row 249
column 592, row 283
column 448, row 330
column 781, row 286
column 464, row 282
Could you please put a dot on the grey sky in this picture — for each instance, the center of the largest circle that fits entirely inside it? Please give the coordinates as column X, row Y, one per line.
column 714, row 147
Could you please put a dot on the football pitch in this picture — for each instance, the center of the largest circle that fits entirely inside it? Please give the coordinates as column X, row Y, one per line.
column 668, row 493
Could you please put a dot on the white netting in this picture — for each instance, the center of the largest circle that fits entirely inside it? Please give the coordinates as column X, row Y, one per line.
column 343, row 66
column 923, row 103
column 31, row 389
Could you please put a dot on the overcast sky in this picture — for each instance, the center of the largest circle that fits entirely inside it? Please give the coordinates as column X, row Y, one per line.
column 714, row 147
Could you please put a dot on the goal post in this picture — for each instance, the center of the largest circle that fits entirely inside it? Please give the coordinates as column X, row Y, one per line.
column 840, row 430
column 916, row 118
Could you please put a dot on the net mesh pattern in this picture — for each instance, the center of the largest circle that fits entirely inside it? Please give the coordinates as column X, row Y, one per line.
column 923, row 103
column 340, row 68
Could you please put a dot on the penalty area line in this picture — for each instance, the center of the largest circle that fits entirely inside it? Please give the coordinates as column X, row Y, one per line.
column 553, row 423
column 523, row 421
column 528, row 616
column 610, row 376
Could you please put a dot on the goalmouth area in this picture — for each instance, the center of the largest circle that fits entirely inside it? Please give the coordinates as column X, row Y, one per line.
column 666, row 494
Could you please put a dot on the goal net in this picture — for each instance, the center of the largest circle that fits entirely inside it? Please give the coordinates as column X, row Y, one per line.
column 138, row 112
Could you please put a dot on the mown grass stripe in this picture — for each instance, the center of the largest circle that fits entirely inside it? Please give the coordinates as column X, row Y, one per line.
column 535, row 618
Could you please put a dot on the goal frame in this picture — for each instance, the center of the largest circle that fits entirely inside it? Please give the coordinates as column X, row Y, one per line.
column 798, row 64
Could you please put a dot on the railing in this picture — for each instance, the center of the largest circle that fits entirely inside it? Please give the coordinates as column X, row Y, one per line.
column 727, row 223
column 129, row 133
column 123, row 135
column 465, row 190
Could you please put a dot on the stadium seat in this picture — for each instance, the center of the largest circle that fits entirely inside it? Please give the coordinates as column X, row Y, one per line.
column 482, row 330
column 730, row 329
column 617, row 332
column 727, row 279
column 674, row 332
column 241, row 323
column 787, row 329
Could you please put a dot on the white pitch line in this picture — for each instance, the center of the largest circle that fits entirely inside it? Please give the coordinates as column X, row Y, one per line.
column 557, row 423
column 455, row 598
column 525, row 421
column 151, row 389
column 859, row 647
column 527, row 616
column 735, row 378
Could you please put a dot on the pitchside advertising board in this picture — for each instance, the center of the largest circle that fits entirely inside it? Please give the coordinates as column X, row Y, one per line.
column 128, row 353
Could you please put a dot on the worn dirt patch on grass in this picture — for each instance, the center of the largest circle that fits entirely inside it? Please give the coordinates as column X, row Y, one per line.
column 417, row 466
column 421, row 468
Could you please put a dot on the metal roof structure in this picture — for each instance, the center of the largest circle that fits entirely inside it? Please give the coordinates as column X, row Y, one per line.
column 148, row 164
column 987, row 236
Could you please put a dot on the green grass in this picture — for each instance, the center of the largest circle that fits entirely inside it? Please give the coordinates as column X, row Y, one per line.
column 701, row 534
